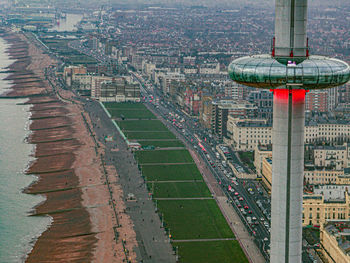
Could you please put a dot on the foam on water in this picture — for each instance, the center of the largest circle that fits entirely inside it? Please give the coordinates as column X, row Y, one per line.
column 18, row 231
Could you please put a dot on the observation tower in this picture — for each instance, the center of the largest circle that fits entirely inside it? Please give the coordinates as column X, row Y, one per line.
column 289, row 72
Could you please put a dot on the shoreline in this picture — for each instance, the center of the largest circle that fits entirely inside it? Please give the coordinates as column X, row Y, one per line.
column 68, row 170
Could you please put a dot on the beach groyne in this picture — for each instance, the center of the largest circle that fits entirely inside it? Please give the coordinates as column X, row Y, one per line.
column 70, row 237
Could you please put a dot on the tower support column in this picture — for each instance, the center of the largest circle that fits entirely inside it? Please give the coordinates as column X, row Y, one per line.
column 287, row 175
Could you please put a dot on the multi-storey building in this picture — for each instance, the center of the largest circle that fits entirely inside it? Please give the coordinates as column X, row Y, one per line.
column 119, row 90
column 263, row 99
column 335, row 241
column 246, row 134
column 316, row 100
column 71, row 71
column 337, row 157
column 328, row 202
column 326, row 176
column 260, row 153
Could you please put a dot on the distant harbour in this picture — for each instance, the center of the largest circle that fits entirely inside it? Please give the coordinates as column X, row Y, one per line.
column 18, row 231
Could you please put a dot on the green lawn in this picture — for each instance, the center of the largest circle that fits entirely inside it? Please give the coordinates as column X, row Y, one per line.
column 162, row 144
column 131, row 114
column 171, row 172
column 194, row 219
column 211, row 252
column 166, row 156
column 72, row 56
column 151, row 135
column 247, row 158
column 142, row 125
column 129, row 110
column 125, row 105
column 179, row 190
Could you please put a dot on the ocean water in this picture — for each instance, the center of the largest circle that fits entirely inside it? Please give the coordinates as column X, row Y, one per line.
column 18, row 231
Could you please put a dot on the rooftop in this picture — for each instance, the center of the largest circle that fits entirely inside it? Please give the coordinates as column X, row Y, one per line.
column 341, row 231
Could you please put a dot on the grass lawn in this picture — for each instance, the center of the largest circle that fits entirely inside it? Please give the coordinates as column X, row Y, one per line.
column 129, row 110
column 171, row 172
column 131, row 114
column 142, row 125
column 70, row 55
column 247, row 158
column 211, row 252
column 125, row 105
column 150, row 135
column 161, row 144
column 166, row 156
column 194, row 219
column 179, row 190
column 312, row 235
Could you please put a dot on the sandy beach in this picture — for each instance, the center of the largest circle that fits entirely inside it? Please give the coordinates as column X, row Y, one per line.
column 69, row 168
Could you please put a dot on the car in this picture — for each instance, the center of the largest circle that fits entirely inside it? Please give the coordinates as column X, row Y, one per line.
column 253, row 218
column 262, row 219
column 250, row 212
column 239, row 205
column 236, row 193
column 246, row 207
column 240, row 199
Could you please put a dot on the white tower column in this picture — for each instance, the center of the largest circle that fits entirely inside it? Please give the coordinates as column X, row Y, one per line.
column 287, row 175
column 290, row 28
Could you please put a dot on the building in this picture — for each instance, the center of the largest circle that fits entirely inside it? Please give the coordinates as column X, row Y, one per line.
column 119, row 90
column 316, row 100
column 337, row 157
column 246, row 134
column 82, row 83
column 335, row 241
column 192, row 100
column 328, row 202
column 260, row 153
column 322, row 176
column 312, row 175
column 266, row 173
column 263, row 99
column 96, row 85
column 189, row 60
column 71, row 71
column 223, row 108
column 206, row 110
column 209, row 68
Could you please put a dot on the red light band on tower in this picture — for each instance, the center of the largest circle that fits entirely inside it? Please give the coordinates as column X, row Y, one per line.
column 297, row 94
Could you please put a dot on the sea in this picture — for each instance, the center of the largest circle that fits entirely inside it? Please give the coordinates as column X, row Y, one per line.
column 18, row 230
